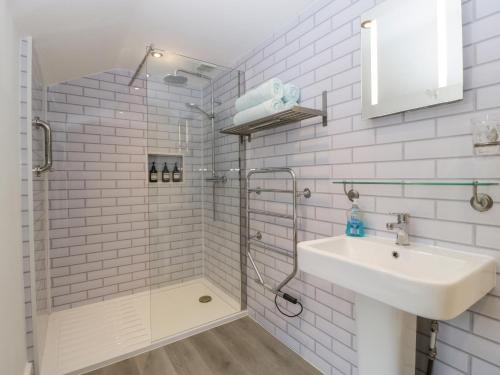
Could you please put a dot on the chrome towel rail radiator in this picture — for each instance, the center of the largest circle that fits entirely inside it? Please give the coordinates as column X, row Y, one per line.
column 47, row 131
column 255, row 240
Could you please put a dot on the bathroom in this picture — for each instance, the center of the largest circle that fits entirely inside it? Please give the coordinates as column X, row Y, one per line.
column 324, row 198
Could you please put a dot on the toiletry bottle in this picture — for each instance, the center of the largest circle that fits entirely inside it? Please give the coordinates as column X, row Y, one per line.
column 176, row 174
column 153, row 174
column 355, row 226
column 165, row 174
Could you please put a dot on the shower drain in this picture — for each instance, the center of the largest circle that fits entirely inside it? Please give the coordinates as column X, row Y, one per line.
column 205, row 299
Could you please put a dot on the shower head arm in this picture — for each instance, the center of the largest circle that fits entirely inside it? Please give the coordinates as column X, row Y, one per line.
column 196, row 74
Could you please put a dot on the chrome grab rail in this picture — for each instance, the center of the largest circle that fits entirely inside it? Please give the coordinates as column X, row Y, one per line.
column 47, row 166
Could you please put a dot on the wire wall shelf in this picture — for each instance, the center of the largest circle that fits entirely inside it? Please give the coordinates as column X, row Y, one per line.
column 291, row 115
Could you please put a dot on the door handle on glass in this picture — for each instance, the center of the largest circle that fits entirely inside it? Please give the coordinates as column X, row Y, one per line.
column 47, row 131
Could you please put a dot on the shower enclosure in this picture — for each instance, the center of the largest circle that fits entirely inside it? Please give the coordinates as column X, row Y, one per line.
column 130, row 262
column 194, row 232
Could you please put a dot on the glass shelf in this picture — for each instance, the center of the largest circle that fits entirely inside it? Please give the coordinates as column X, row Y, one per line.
column 415, row 183
column 480, row 202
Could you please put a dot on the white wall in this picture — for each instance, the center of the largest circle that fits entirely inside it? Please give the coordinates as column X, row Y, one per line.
column 12, row 327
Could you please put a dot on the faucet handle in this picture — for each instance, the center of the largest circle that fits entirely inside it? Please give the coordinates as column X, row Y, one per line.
column 402, row 216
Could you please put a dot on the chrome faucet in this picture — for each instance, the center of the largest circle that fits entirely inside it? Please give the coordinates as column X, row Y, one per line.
column 402, row 238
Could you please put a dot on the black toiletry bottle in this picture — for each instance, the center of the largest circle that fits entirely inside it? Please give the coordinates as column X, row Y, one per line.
column 153, row 174
column 176, row 174
column 165, row 174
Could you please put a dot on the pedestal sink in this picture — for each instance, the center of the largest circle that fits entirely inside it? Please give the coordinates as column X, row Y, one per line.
column 394, row 284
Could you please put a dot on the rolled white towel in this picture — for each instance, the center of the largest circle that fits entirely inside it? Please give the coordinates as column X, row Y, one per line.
column 267, row 108
column 291, row 93
column 272, row 89
column 289, row 105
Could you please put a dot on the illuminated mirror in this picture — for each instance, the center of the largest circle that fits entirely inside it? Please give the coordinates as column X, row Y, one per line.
column 411, row 55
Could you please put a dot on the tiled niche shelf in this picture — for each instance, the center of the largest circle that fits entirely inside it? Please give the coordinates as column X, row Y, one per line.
column 160, row 160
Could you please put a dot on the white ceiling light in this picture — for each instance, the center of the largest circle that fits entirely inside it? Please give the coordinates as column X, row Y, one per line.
column 157, row 54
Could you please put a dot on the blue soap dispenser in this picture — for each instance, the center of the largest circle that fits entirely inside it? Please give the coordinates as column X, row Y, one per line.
column 355, row 226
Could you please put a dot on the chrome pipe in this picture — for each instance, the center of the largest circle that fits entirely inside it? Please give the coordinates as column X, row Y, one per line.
column 269, row 213
column 295, row 258
column 259, row 190
column 149, row 49
column 432, row 353
column 271, row 248
column 306, row 193
column 261, row 280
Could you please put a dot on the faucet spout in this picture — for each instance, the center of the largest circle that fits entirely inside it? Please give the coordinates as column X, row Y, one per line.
column 402, row 236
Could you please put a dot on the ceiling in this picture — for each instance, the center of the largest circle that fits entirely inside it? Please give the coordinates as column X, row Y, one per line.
column 77, row 37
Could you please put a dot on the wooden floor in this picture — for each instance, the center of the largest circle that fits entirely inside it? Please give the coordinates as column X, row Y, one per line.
column 238, row 348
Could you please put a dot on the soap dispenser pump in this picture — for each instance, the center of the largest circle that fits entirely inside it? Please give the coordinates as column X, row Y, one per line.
column 355, row 226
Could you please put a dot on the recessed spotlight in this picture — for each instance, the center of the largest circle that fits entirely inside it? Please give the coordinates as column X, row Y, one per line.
column 157, row 54
column 147, row 75
column 366, row 24
column 136, row 88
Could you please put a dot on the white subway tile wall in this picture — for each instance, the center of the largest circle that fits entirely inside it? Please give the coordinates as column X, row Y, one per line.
column 112, row 233
column 321, row 51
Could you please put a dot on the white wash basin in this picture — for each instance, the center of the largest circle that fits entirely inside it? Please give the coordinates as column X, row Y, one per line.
column 428, row 281
column 394, row 284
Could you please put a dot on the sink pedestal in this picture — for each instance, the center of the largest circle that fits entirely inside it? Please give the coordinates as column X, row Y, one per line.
column 386, row 338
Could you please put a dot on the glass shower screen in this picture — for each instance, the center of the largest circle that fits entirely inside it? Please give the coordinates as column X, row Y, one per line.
column 193, row 184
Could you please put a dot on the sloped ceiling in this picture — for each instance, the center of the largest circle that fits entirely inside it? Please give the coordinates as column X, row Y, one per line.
column 77, row 37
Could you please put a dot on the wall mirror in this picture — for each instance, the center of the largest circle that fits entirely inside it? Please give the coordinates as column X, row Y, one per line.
column 411, row 55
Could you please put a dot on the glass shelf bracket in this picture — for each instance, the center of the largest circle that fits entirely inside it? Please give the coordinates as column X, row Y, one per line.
column 480, row 202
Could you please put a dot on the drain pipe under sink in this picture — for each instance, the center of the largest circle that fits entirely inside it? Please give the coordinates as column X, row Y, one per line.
column 431, row 355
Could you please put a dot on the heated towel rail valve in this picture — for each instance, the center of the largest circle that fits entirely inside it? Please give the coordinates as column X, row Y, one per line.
column 306, row 193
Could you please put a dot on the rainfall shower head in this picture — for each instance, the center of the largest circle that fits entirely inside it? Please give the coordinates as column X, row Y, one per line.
column 178, row 79
column 197, row 107
column 175, row 79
